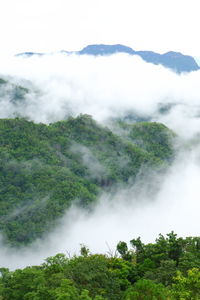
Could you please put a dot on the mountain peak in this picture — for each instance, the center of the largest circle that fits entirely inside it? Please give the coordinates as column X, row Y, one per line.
column 103, row 49
column 175, row 61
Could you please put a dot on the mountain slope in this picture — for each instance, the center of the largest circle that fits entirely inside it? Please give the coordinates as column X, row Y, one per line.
column 44, row 169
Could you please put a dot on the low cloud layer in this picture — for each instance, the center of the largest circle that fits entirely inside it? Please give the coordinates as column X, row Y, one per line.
column 60, row 85
column 123, row 216
column 112, row 87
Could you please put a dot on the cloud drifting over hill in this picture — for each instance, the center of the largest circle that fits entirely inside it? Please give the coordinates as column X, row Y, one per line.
column 124, row 215
column 118, row 86
column 115, row 86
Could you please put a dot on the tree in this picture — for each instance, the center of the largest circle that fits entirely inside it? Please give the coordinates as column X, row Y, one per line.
column 126, row 254
column 146, row 290
column 187, row 287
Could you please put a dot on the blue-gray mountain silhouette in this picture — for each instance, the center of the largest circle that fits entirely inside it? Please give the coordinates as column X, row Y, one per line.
column 173, row 60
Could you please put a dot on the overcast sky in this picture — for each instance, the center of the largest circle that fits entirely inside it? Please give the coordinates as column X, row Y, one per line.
column 52, row 25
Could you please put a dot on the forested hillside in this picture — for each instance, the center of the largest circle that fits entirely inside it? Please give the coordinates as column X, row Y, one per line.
column 165, row 270
column 46, row 168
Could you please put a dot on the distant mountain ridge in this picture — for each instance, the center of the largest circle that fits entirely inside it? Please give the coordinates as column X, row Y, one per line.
column 173, row 60
column 176, row 61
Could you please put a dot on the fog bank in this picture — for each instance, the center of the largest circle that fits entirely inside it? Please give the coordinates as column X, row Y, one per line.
column 124, row 216
column 113, row 86
column 116, row 86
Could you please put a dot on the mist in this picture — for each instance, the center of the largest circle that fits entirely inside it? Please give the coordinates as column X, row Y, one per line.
column 107, row 87
column 116, row 86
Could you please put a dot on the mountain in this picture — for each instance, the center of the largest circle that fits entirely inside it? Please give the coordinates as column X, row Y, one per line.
column 28, row 54
column 106, row 49
column 175, row 61
column 44, row 169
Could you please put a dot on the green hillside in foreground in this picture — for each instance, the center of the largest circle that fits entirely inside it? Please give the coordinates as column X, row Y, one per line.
column 168, row 269
column 46, row 168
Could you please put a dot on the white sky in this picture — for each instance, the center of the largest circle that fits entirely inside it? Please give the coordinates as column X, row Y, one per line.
column 51, row 25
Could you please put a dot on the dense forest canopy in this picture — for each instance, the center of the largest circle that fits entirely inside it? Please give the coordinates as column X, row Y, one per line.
column 168, row 269
column 63, row 159
column 46, row 168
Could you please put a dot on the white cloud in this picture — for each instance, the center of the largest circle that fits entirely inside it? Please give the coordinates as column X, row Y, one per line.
column 110, row 87
column 124, row 216
column 103, row 87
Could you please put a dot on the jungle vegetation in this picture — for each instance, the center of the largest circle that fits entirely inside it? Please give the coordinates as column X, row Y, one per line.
column 46, row 168
column 168, row 269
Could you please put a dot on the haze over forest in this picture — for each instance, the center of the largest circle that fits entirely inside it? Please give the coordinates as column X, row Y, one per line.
column 99, row 150
column 117, row 91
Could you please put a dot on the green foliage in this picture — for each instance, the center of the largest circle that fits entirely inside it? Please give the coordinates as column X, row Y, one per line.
column 187, row 287
column 44, row 169
column 160, row 261
column 84, row 251
column 122, row 248
column 155, row 138
column 146, row 290
column 101, row 277
column 92, row 273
